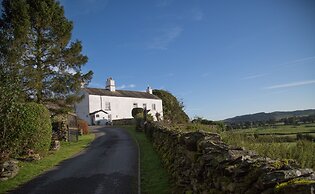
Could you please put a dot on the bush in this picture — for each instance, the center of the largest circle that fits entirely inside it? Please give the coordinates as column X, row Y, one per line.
column 34, row 128
column 139, row 121
column 83, row 126
column 136, row 111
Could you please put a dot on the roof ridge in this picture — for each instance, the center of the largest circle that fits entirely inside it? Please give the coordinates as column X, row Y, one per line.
column 120, row 93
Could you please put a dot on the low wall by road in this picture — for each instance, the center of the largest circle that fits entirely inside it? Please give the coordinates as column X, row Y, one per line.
column 199, row 162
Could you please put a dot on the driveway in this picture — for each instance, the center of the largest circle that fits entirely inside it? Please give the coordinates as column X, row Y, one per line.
column 108, row 165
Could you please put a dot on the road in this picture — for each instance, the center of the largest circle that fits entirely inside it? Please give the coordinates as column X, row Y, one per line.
column 108, row 165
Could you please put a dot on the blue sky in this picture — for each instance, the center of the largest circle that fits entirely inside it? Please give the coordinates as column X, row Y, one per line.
column 221, row 57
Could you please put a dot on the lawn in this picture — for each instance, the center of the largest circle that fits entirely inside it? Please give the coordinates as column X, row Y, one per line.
column 29, row 170
column 154, row 178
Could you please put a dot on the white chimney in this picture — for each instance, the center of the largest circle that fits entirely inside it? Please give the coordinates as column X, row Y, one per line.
column 82, row 84
column 110, row 84
column 149, row 90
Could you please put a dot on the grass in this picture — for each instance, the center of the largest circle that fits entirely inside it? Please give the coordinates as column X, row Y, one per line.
column 301, row 151
column 285, row 129
column 29, row 170
column 277, row 142
column 154, row 178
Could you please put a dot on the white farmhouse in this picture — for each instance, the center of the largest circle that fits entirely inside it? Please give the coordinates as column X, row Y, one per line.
column 103, row 105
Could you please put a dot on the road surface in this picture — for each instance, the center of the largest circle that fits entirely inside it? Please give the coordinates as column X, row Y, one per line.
column 109, row 165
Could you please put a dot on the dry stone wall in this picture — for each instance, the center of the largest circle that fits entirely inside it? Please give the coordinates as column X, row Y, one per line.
column 199, row 162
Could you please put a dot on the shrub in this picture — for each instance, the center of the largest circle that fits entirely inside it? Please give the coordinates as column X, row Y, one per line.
column 136, row 111
column 33, row 129
column 83, row 126
column 139, row 121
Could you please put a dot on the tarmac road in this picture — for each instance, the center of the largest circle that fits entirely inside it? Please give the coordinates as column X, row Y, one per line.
column 108, row 165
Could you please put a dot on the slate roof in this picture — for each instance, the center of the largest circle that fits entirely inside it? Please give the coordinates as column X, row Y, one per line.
column 120, row 93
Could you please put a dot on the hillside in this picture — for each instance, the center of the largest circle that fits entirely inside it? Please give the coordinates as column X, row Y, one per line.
column 262, row 116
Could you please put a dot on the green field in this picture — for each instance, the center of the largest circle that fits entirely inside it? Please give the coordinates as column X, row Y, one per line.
column 277, row 142
column 280, row 129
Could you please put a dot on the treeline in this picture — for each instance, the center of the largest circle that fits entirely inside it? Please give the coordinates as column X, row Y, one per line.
column 200, row 120
column 271, row 122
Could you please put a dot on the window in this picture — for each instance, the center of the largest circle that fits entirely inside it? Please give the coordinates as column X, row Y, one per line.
column 107, row 106
column 153, row 107
column 135, row 105
column 144, row 106
column 97, row 116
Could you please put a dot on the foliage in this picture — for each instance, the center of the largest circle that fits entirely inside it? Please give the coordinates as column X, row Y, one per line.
column 28, row 128
column 139, row 121
column 33, row 128
column 35, row 46
column 29, row 170
column 83, row 125
column 301, row 151
column 173, row 109
column 202, row 121
column 136, row 111
column 154, row 178
column 10, row 93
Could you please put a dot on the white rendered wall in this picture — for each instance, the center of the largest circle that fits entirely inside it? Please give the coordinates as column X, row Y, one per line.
column 121, row 107
column 82, row 108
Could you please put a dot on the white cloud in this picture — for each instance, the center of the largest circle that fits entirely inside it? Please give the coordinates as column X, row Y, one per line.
column 292, row 84
column 96, row 85
column 254, row 76
column 165, row 38
column 299, row 61
column 126, row 86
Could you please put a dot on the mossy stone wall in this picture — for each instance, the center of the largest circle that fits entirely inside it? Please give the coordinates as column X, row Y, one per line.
column 200, row 162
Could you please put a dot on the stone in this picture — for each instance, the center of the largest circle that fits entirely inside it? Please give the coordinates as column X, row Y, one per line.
column 191, row 139
column 55, row 145
column 8, row 169
column 199, row 162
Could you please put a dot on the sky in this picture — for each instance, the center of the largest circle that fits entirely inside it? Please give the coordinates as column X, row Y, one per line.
column 222, row 58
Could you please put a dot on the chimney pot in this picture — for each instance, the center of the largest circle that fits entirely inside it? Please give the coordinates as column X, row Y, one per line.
column 110, row 84
column 149, row 90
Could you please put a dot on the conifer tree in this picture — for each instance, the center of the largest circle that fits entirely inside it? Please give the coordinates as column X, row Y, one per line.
column 36, row 48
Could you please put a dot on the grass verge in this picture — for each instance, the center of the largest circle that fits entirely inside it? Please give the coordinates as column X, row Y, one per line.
column 29, row 170
column 154, row 178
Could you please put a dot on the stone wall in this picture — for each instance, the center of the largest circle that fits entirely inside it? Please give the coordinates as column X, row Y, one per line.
column 124, row 122
column 199, row 162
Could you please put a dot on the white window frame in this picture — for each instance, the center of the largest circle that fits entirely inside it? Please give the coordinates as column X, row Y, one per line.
column 107, row 106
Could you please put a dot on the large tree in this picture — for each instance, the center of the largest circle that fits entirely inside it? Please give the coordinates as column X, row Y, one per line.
column 36, row 48
column 173, row 109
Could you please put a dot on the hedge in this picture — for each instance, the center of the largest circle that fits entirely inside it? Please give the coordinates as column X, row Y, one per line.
column 33, row 128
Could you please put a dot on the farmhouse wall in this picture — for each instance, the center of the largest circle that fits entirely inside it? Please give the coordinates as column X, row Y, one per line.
column 199, row 162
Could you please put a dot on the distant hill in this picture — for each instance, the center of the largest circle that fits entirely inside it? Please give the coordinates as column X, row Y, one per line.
column 262, row 116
